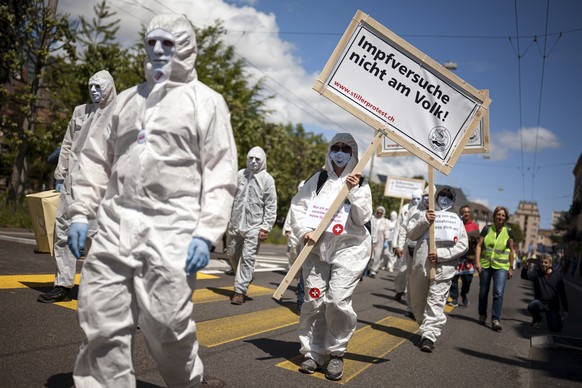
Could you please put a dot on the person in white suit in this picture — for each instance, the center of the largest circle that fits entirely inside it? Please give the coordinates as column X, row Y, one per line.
column 160, row 180
column 428, row 297
column 334, row 267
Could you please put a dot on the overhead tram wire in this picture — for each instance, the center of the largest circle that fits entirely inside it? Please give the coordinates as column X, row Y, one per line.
column 122, row 9
column 519, row 101
column 310, row 111
column 544, row 56
column 440, row 36
column 317, row 115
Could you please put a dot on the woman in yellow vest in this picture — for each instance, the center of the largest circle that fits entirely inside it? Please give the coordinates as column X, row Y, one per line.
column 494, row 260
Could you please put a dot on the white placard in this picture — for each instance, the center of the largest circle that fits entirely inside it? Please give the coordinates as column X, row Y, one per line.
column 447, row 226
column 402, row 187
column 478, row 142
column 391, row 85
column 316, row 211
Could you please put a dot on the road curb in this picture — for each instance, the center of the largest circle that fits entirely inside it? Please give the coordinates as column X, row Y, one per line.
column 556, row 341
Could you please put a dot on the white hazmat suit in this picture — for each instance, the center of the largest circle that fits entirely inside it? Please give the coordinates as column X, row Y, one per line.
column 389, row 256
column 428, row 297
column 84, row 118
column 254, row 210
column 163, row 175
column 400, row 245
column 379, row 237
column 335, row 265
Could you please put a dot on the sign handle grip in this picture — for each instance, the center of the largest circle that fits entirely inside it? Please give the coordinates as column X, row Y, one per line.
column 431, row 239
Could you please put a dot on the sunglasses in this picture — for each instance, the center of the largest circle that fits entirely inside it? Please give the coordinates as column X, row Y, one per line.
column 344, row 148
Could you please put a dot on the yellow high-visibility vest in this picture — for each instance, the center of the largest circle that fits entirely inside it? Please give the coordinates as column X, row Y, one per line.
column 496, row 252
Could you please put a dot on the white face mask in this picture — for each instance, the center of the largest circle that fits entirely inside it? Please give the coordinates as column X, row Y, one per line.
column 444, row 202
column 254, row 164
column 415, row 201
column 95, row 93
column 160, row 48
column 340, row 158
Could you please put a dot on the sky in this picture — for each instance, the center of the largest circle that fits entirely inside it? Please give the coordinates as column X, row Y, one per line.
column 527, row 53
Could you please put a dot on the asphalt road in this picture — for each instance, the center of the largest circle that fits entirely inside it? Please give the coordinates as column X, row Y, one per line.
column 256, row 344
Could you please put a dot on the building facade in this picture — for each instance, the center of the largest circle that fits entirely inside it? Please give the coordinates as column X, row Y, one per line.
column 528, row 219
column 573, row 236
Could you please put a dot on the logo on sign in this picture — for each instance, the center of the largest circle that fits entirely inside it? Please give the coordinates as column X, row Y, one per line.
column 338, row 229
column 474, row 137
column 439, row 138
column 314, row 293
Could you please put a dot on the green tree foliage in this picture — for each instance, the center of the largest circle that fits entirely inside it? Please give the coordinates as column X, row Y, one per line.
column 378, row 199
column 36, row 32
column 99, row 50
column 218, row 67
column 293, row 154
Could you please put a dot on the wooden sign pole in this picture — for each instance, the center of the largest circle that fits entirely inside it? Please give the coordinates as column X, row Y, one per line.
column 431, row 240
column 372, row 149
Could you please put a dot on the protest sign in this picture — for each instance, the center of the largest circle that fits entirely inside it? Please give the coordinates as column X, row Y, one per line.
column 478, row 142
column 317, row 209
column 391, row 85
column 447, row 227
column 402, row 187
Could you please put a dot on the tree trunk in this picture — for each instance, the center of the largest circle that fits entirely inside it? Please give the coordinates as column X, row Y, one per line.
column 19, row 173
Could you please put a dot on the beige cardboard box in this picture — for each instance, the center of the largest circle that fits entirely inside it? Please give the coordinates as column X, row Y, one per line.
column 43, row 211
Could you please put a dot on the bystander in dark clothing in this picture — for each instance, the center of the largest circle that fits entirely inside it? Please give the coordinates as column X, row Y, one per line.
column 549, row 293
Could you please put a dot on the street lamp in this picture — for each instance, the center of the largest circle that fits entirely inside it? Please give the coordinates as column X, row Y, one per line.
column 451, row 65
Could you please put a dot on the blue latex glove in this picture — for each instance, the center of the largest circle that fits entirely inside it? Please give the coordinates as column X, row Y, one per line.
column 76, row 238
column 198, row 255
column 59, row 185
column 385, row 244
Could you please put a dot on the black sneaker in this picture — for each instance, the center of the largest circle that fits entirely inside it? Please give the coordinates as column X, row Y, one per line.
column 426, row 345
column 410, row 315
column 536, row 323
column 57, row 294
column 399, row 296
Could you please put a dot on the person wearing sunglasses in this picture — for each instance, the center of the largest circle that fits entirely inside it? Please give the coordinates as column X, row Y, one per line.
column 334, row 267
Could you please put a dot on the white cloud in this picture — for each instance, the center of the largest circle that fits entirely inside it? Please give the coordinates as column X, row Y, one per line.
column 269, row 57
column 528, row 139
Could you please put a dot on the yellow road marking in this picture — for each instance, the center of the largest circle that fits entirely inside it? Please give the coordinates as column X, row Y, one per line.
column 72, row 304
column 44, row 280
column 215, row 294
column 368, row 346
column 220, row 331
column 29, row 281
